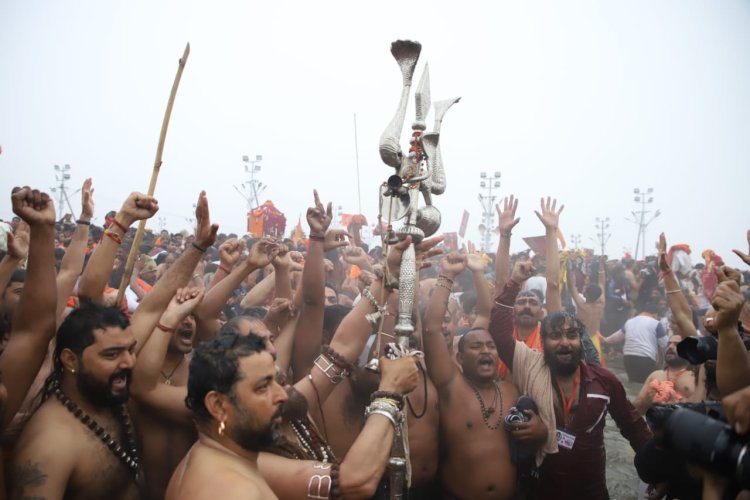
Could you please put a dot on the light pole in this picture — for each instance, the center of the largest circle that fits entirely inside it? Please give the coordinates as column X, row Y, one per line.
column 253, row 187
column 488, row 204
column 62, row 174
column 575, row 239
column 639, row 216
column 601, row 233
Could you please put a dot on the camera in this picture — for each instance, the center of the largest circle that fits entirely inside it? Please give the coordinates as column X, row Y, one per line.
column 698, row 350
column 698, row 433
column 516, row 414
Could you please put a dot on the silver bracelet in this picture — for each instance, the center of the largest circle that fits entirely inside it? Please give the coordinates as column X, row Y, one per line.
column 375, row 316
column 386, row 414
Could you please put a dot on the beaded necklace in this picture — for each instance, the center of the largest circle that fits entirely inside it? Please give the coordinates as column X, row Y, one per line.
column 311, row 442
column 486, row 412
column 130, row 457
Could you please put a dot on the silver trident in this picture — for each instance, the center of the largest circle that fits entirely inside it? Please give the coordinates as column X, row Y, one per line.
column 418, row 171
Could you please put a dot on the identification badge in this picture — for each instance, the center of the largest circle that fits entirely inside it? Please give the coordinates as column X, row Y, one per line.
column 565, row 439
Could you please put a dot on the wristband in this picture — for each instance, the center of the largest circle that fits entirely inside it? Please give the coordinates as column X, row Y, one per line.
column 194, row 245
column 84, row 222
column 114, row 236
column 225, row 269
column 118, row 224
column 165, row 328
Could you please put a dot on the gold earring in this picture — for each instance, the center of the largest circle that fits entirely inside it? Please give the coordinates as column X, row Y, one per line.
column 221, row 428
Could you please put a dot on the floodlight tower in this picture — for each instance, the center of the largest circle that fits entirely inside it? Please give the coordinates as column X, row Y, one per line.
column 62, row 174
column 639, row 216
column 488, row 205
column 252, row 189
column 602, row 237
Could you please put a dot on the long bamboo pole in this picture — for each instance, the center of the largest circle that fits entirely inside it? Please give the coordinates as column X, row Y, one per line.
column 154, row 175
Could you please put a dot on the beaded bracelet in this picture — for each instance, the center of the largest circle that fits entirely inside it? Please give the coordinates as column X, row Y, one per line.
column 335, row 482
column 337, row 359
column 83, row 222
column 317, row 237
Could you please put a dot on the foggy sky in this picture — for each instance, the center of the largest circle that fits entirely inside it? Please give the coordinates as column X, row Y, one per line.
column 579, row 100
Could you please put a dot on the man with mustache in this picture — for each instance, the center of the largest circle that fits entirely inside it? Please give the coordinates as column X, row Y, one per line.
column 573, row 398
column 476, row 461
column 674, row 384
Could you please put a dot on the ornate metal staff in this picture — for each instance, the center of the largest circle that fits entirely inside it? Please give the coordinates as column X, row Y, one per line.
column 419, row 171
column 154, row 175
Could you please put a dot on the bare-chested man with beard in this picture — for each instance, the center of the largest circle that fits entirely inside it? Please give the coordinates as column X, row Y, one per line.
column 476, row 460
column 79, row 443
column 676, row 383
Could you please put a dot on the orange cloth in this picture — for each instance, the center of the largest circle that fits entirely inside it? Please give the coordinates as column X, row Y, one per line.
column 534, row 341
column 665, row 391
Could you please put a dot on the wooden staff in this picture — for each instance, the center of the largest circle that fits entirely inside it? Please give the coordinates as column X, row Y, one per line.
column 154, row 175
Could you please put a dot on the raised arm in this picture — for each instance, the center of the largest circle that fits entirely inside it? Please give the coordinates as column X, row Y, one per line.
column 229, row 253
column 309, row 332
column 72, row 263
column 507, row 221
column 166, row 400
column 732, row 361
column 440, row 367
column 155, row 302
column 550, row 217
column 260, row 255
column 364, row 463
column 34, row 320
column 501, row 323
column 571, row 281
column 475, row 263
column 681, row 312
column 18, row 250
column 94, row 279
column 258, row 294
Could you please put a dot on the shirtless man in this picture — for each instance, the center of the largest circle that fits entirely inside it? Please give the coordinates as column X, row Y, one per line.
column 61, row 453
column 590, row 307
column 236, row 403
column 476, row 461
column 675, row 384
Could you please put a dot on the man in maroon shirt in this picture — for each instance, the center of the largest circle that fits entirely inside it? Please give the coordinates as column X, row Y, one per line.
column 573, row 399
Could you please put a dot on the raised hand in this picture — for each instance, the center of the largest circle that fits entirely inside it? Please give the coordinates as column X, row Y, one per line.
column 205, row 232
column 452, row 264
column 280, row 311
column 18, row 244
column 475, row 262
column 550, row 216
column 507, row 216
column 138, row 206
column 87, row 200
column 663, row 261
column 356, row 256
column 335, row 238
column 262, row 253
column 230, row 252
column 399, row 375
column 728, row 301
column 319, row 217
column 32, row 206
column 184, row 302
column 282, row 261
column 522, row 271
column 745, row 256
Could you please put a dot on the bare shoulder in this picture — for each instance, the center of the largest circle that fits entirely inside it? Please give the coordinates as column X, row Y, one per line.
column 509, row 390
column 44, row 458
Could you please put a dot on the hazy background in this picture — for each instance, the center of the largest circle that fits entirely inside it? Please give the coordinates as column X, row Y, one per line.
column 580, row 100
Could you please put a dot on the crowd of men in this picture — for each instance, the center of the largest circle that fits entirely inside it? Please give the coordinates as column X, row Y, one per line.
column 246, row 367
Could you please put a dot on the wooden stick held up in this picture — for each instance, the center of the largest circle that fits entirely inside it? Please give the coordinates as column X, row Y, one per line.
column 154, row 175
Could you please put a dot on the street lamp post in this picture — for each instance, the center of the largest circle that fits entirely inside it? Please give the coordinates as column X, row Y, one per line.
column 639, row 216
column 487, row 201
